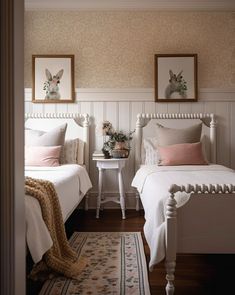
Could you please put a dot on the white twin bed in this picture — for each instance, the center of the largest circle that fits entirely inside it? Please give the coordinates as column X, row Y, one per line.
column 189, row 208
column 71, row 181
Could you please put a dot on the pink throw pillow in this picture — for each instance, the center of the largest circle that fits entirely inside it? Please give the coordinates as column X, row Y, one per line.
column 42, row 155
column 182, row 154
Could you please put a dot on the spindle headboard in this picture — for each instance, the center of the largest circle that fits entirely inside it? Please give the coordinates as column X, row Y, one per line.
column 77, row 126
column 146, row 127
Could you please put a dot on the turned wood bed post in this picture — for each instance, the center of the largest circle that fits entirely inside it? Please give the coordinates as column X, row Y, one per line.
column 213, row 138
column 86, row 139
column 171, row 238
column 138, row 142
column 138, row 135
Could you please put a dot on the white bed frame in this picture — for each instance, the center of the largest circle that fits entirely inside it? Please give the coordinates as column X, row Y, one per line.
column 206, row 224
column 78, row 127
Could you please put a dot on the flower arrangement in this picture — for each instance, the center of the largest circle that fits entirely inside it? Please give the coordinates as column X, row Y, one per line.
column 120, row 136
column 104, row 128
column 117, row 140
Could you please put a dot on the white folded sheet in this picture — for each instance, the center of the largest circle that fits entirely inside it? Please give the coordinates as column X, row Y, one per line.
column 153, row 183
column 71, row 183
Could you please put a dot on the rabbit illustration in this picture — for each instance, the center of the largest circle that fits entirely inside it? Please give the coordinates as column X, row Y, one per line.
column 51, row 85
column 177, row 85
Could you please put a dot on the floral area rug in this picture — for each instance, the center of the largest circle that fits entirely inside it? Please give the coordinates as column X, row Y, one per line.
column 116, row 266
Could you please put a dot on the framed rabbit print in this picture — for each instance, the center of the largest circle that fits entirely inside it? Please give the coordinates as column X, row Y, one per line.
column 176, row 77
column 53, row 78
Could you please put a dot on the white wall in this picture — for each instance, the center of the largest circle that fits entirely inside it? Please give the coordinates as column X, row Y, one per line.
column 120, row 107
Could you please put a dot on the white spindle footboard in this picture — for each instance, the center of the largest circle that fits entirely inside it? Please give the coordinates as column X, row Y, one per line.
column 171, row 222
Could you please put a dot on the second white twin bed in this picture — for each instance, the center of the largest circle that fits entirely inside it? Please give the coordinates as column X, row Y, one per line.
column 188, row 203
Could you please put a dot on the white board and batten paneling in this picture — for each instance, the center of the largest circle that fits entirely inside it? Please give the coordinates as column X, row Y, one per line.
column 121, row 106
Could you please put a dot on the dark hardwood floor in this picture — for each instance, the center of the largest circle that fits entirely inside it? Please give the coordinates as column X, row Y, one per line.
column 195, row 274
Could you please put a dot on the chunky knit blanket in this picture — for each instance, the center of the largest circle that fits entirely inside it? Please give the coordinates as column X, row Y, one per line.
column 60, row 258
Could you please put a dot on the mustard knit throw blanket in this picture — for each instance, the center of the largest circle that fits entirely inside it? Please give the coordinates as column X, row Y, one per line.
column 60, row 257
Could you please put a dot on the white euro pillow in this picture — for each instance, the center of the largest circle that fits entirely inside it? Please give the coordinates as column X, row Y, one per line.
column 54, row 137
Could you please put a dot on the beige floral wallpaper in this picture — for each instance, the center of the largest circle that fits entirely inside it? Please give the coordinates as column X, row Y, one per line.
column 116, row 49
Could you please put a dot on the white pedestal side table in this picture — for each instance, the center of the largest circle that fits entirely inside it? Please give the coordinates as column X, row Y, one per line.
column 111, row 164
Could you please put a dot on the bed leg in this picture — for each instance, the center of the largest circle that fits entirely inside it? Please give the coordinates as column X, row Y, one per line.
column 137, row 198
column 86, row 202
column 171, row 241
column 170, row 270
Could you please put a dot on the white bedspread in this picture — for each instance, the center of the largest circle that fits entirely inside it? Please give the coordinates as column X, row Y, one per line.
column 71, row 183
column 153, row 183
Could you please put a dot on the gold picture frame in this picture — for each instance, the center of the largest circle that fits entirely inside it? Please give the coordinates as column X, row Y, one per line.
column 175, row 78
column 53, row 79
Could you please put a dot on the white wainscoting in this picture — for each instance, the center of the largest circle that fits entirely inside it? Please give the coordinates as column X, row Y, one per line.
column 121, row 106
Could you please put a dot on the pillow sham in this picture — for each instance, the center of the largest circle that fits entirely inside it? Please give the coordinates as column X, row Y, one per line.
column 168, row 136
column 150, row 151
column 81, row 152
column 54, row 137
column 72, row 152
column 69, row 152
column 182, row 154
column 42, row 155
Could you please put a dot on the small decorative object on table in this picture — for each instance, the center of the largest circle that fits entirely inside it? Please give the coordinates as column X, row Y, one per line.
column 98, row 155
column 105, row 129
column 124, row 153
column 118, row 143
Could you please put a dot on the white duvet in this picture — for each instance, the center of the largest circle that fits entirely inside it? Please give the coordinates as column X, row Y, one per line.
column 153, row 183
column 71, row 183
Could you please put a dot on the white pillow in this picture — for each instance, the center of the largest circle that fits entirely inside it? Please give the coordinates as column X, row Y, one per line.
column 54, row 137
column 169, row 136
column 72, row 152
column 150, row 149
column 81, row 152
